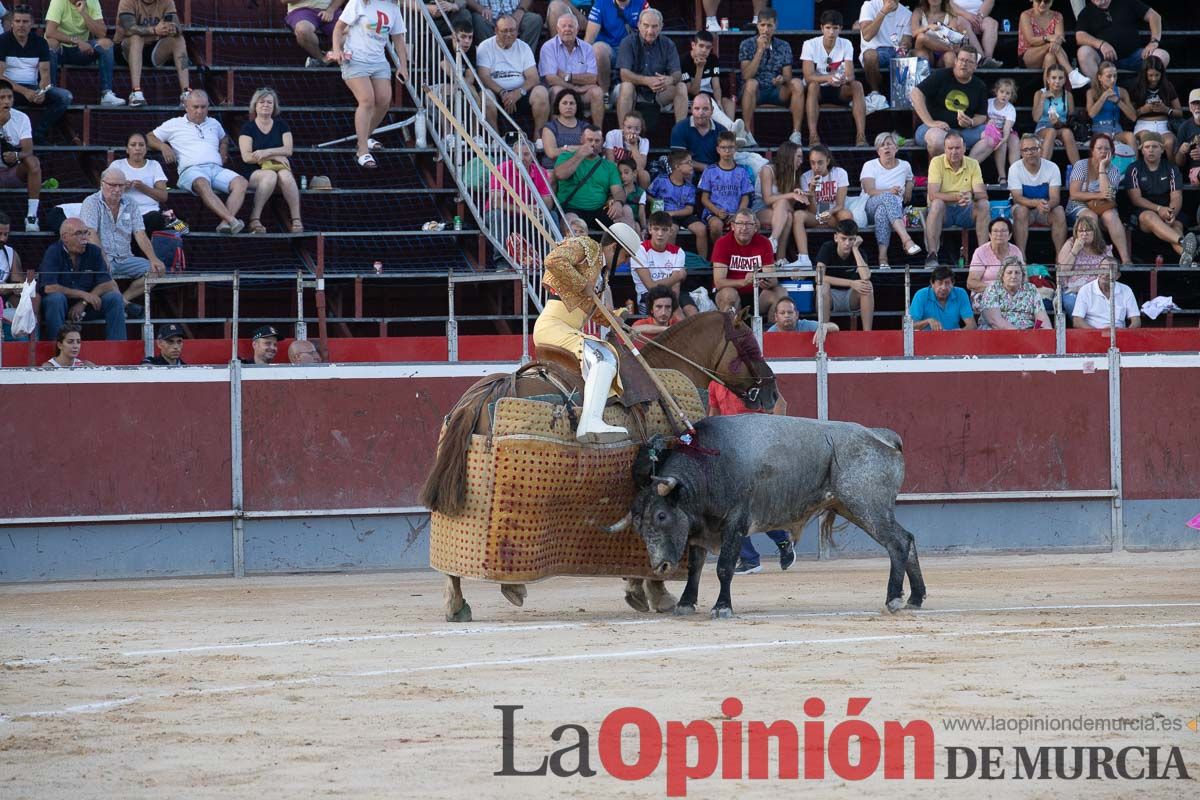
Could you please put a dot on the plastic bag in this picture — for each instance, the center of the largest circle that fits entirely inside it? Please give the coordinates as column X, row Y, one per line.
column 24, row 320
column 702, row 300
column 906, row 74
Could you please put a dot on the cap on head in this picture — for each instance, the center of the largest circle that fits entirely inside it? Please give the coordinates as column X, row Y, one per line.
column 1194, row 97
column 170, row 330
column 1150, row 136
column 264, row 332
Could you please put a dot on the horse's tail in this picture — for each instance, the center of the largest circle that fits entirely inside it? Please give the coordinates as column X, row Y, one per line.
column 445, row 490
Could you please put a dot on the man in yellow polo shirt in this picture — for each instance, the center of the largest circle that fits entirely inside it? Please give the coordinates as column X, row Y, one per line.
column 957, row 196
column 77, row 36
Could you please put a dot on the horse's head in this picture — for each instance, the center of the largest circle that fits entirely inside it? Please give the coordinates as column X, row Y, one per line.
column 742, row 367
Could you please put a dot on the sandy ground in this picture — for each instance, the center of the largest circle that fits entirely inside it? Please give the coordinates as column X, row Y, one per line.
column 332, row 685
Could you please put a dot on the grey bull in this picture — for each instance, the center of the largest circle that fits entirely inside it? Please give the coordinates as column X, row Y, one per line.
column 758, row 472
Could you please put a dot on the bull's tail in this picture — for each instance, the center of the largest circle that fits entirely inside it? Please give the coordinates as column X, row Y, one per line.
column 445, row 490
column 889, row 437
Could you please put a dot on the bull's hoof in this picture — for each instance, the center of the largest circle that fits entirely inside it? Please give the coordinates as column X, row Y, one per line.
column 894, row 605
column 637, row 602
column 721, row 613
column 664, row 602
column 514, row 593
column 681, row 610
column 462, row 615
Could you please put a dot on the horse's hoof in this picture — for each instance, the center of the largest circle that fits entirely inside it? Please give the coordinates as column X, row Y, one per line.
column 462, row 615
column 894, row 605
column 681, row 610
column 514, row 593
column 637, row 602
column 915, row 602
column 721, row 613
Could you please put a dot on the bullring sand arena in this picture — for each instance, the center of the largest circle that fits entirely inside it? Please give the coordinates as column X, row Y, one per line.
column 352, row 685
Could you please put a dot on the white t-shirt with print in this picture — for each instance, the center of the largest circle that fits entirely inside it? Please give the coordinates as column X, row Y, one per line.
column 896, row 177
column 660, row 265
column 150, row 174
column 17, row 128
column 827, row 62
column 998, row 116
column 615, row 140
column 371, row 24
column 830, row 184
column 895, row 26
column 1019, row 175
column 193, row 144
column 507, row 66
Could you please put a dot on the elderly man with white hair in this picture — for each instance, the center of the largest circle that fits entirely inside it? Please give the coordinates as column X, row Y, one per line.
column 568, row 62
column 113, row 221
column 201, row 146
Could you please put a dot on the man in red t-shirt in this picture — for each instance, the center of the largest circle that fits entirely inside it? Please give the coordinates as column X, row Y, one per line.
column 736, row 257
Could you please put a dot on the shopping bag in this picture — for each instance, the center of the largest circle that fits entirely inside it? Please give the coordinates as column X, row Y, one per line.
column 906, row 74
column 24, row 321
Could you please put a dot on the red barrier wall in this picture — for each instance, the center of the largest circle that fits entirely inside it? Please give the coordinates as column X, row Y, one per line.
column 356, row 443
column 1160, row 434
column 115, row 448
column 855, row 344
column 987, row 431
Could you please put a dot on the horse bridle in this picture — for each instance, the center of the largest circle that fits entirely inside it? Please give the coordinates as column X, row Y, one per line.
column 746, row 352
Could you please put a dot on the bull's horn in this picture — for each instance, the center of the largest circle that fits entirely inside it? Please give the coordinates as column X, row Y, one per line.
column 666, row 485
column 620, row 525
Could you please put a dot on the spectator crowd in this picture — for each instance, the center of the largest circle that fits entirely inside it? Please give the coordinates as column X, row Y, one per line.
column 728, row 195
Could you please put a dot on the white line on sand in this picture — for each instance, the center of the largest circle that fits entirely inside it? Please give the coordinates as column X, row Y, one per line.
column 557, row 626
column 618, row 655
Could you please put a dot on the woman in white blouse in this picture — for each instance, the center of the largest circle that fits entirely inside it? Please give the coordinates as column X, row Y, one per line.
column 888, row 183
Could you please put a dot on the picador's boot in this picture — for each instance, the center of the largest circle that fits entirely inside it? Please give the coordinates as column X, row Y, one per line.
column 592, row 427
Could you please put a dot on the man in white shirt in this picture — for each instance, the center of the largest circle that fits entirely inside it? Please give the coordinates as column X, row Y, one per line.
column 1036, row 186
column 201, row 146
column 508, row 70
column 886, row 29
column 1091, row 306
column 828, row 62
column 661, row 263
column 19, row 167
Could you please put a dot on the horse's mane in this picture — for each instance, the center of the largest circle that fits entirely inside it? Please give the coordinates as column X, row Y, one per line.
column 684, row 328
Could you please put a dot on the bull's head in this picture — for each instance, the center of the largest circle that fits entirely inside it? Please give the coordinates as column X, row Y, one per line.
column 661, row 520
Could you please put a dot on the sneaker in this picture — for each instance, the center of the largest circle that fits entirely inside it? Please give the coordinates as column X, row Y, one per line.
column 931, row 260
column 237, row 227
column 743, row 568
column 991, row 63
column 1189, row 250
column 224, row 227
column 313, row 62
column 801, row 260
column 876, row 102
column 712, row 25
column 136, row 98
column 796, row 138
column 787, row 555
column 31, row 225
column 110, row 99
column 774, row 244
column 134, row 311
column 739, row 133
column 1078, row 79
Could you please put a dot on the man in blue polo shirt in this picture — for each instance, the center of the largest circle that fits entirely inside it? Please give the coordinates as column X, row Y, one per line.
column 941, row 306
column 75, row 283
column 698, row 133
column 608, row 23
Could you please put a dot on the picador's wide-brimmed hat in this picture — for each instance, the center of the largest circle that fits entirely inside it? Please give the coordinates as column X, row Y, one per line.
column 625, row 236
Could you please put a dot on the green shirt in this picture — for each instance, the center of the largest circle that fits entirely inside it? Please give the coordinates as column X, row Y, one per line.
column 594, row 192
column 70, row 22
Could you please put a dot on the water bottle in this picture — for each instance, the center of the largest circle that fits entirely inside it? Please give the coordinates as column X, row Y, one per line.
column 1007, row 26
column 457, row 223
column 304, row 183
column 419, row 126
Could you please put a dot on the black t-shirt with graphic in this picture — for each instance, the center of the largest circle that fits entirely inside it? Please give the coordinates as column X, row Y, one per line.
column 945, row 97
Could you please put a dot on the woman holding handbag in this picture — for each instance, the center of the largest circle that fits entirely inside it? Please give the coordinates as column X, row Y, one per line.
column 266, row 140
column 1093, row 187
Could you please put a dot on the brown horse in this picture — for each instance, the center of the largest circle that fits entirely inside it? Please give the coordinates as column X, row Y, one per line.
column 704, row 347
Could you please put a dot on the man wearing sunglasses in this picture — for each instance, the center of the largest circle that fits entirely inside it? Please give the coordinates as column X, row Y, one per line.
column 1108, row 30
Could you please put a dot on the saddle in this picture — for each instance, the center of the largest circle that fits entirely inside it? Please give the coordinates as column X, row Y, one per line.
column 637, row 387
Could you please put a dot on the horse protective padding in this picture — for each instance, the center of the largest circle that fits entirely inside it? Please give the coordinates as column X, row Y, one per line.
column 537, row 499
